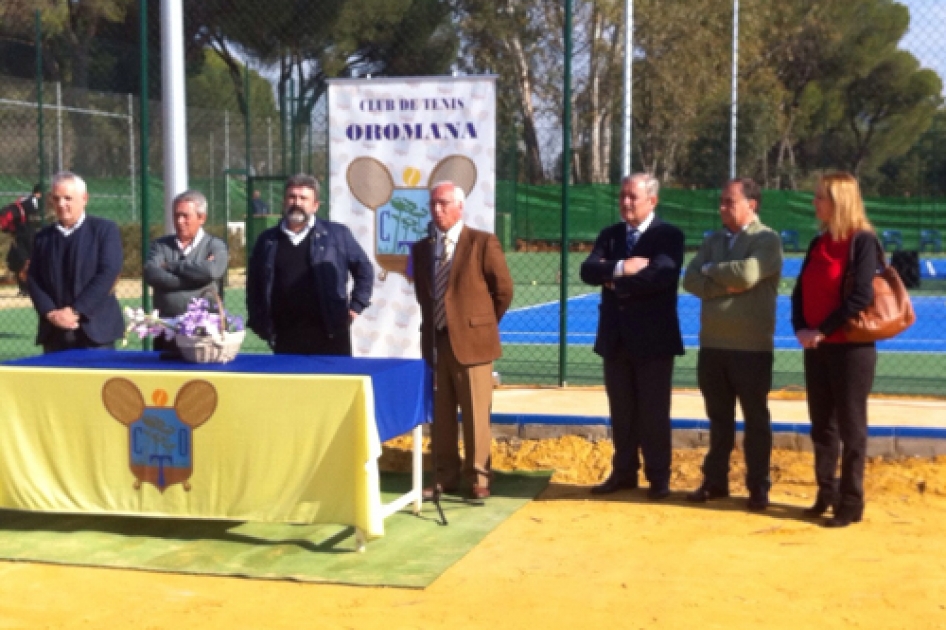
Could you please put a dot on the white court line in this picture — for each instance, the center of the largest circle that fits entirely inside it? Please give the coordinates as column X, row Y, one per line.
column 548, row 333
column 522, row 309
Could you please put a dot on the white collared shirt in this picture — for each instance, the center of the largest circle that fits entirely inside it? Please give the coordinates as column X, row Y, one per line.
column 67, row 231
column 193, row 243
column 453, row 234
column 297, row 237
column 644, row 224
column 619, row 266
column 730, row 240
column 732, row 236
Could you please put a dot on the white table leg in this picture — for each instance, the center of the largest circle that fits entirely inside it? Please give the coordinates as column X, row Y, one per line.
column 418, row 468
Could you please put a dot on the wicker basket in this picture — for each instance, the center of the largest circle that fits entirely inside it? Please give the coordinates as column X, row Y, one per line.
column 210, row 349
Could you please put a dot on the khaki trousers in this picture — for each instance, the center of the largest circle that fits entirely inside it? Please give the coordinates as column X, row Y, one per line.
column 469, row 387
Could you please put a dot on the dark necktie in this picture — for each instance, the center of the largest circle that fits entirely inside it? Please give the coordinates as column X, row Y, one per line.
column 441, row 279
column 632, row 235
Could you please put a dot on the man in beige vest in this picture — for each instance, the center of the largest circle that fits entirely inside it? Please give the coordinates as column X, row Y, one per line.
column 463, row 286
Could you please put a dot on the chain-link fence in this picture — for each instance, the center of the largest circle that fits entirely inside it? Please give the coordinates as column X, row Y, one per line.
column 835, row 84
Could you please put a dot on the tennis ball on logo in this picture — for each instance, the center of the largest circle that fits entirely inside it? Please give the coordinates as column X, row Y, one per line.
column 411, row 176
column 159, row 397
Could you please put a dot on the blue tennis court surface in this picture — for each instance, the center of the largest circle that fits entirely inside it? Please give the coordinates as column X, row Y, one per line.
column 539, row 324
column 930, row 268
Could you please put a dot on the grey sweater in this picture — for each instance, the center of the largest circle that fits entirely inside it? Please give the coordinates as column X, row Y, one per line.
column 177, row 278
column 744, row 320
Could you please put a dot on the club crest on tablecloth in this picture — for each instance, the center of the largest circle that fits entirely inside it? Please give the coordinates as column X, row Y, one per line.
column 160, row 445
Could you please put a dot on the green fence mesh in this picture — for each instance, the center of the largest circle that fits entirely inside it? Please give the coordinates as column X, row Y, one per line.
column 838, row 84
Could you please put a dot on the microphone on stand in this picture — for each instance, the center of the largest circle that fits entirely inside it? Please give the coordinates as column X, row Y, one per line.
column 437, row 490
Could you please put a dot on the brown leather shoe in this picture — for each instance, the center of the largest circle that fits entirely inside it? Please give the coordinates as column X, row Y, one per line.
column 479, row 493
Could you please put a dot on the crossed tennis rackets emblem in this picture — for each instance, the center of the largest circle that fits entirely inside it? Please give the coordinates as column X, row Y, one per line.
column 160, row 445
column 402, row 212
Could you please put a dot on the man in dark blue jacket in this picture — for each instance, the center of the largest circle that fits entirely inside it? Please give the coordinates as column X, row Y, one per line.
column 637, row 263
column 75, row 266
column 297, row 278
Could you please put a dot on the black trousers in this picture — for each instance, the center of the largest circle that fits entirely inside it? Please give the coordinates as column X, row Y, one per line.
column 726, row 376
column 17, row 257
column 313, row 341
column 72, row 340
column 839, row 377
column 639, row 393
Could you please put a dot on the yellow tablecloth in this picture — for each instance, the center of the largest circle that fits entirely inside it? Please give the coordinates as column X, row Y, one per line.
column 290, row 448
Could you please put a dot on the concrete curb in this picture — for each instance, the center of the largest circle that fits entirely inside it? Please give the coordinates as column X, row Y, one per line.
column 884, row 441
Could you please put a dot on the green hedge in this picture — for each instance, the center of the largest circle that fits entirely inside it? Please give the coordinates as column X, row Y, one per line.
column 536, row 212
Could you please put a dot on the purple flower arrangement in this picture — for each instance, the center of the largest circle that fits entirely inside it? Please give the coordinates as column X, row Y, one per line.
column 198, row 321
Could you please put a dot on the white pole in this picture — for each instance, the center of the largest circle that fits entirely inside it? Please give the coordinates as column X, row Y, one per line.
column 131, row 154
column 59, row 123
column 734, row 120
column 417, row 468
column 628, row 88
column 173, row 105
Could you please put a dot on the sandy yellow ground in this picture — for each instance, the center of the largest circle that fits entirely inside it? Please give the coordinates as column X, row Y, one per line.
column 568, row 561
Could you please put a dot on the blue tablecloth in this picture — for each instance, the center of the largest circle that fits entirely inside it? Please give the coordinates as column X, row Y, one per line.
column 402, row 387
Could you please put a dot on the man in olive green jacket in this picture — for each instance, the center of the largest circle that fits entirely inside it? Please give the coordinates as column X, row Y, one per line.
column 736, row 276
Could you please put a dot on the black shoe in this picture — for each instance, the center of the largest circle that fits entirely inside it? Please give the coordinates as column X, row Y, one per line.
column 658, row 493
column 758, row 499
column 706, row 492
column 614, row 483
column 845, row 517
column 818, row 509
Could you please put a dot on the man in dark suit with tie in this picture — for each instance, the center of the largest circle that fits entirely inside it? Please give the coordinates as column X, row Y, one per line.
column 637, row 263
column 463, row 287
column 75, row 266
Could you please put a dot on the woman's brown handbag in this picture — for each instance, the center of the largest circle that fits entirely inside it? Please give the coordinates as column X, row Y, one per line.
column 890, row 312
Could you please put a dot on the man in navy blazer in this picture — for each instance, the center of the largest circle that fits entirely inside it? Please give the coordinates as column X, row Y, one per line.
column 75, row 266
column 297, row 278
column 637, row 263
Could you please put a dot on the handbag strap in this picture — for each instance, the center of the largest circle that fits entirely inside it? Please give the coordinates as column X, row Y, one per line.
column 848, row 284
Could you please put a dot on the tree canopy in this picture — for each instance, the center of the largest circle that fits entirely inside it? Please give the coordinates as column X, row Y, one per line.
column 309, row 43
column 822, row 83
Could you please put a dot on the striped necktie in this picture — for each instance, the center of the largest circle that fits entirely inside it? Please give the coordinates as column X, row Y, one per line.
column 632, row 235
column 440, row 283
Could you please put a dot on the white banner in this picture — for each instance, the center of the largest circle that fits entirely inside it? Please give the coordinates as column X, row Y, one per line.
column 390, row 140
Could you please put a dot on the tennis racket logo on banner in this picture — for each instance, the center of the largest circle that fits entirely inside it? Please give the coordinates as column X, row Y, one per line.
column 402, row 212
column 160, row 445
